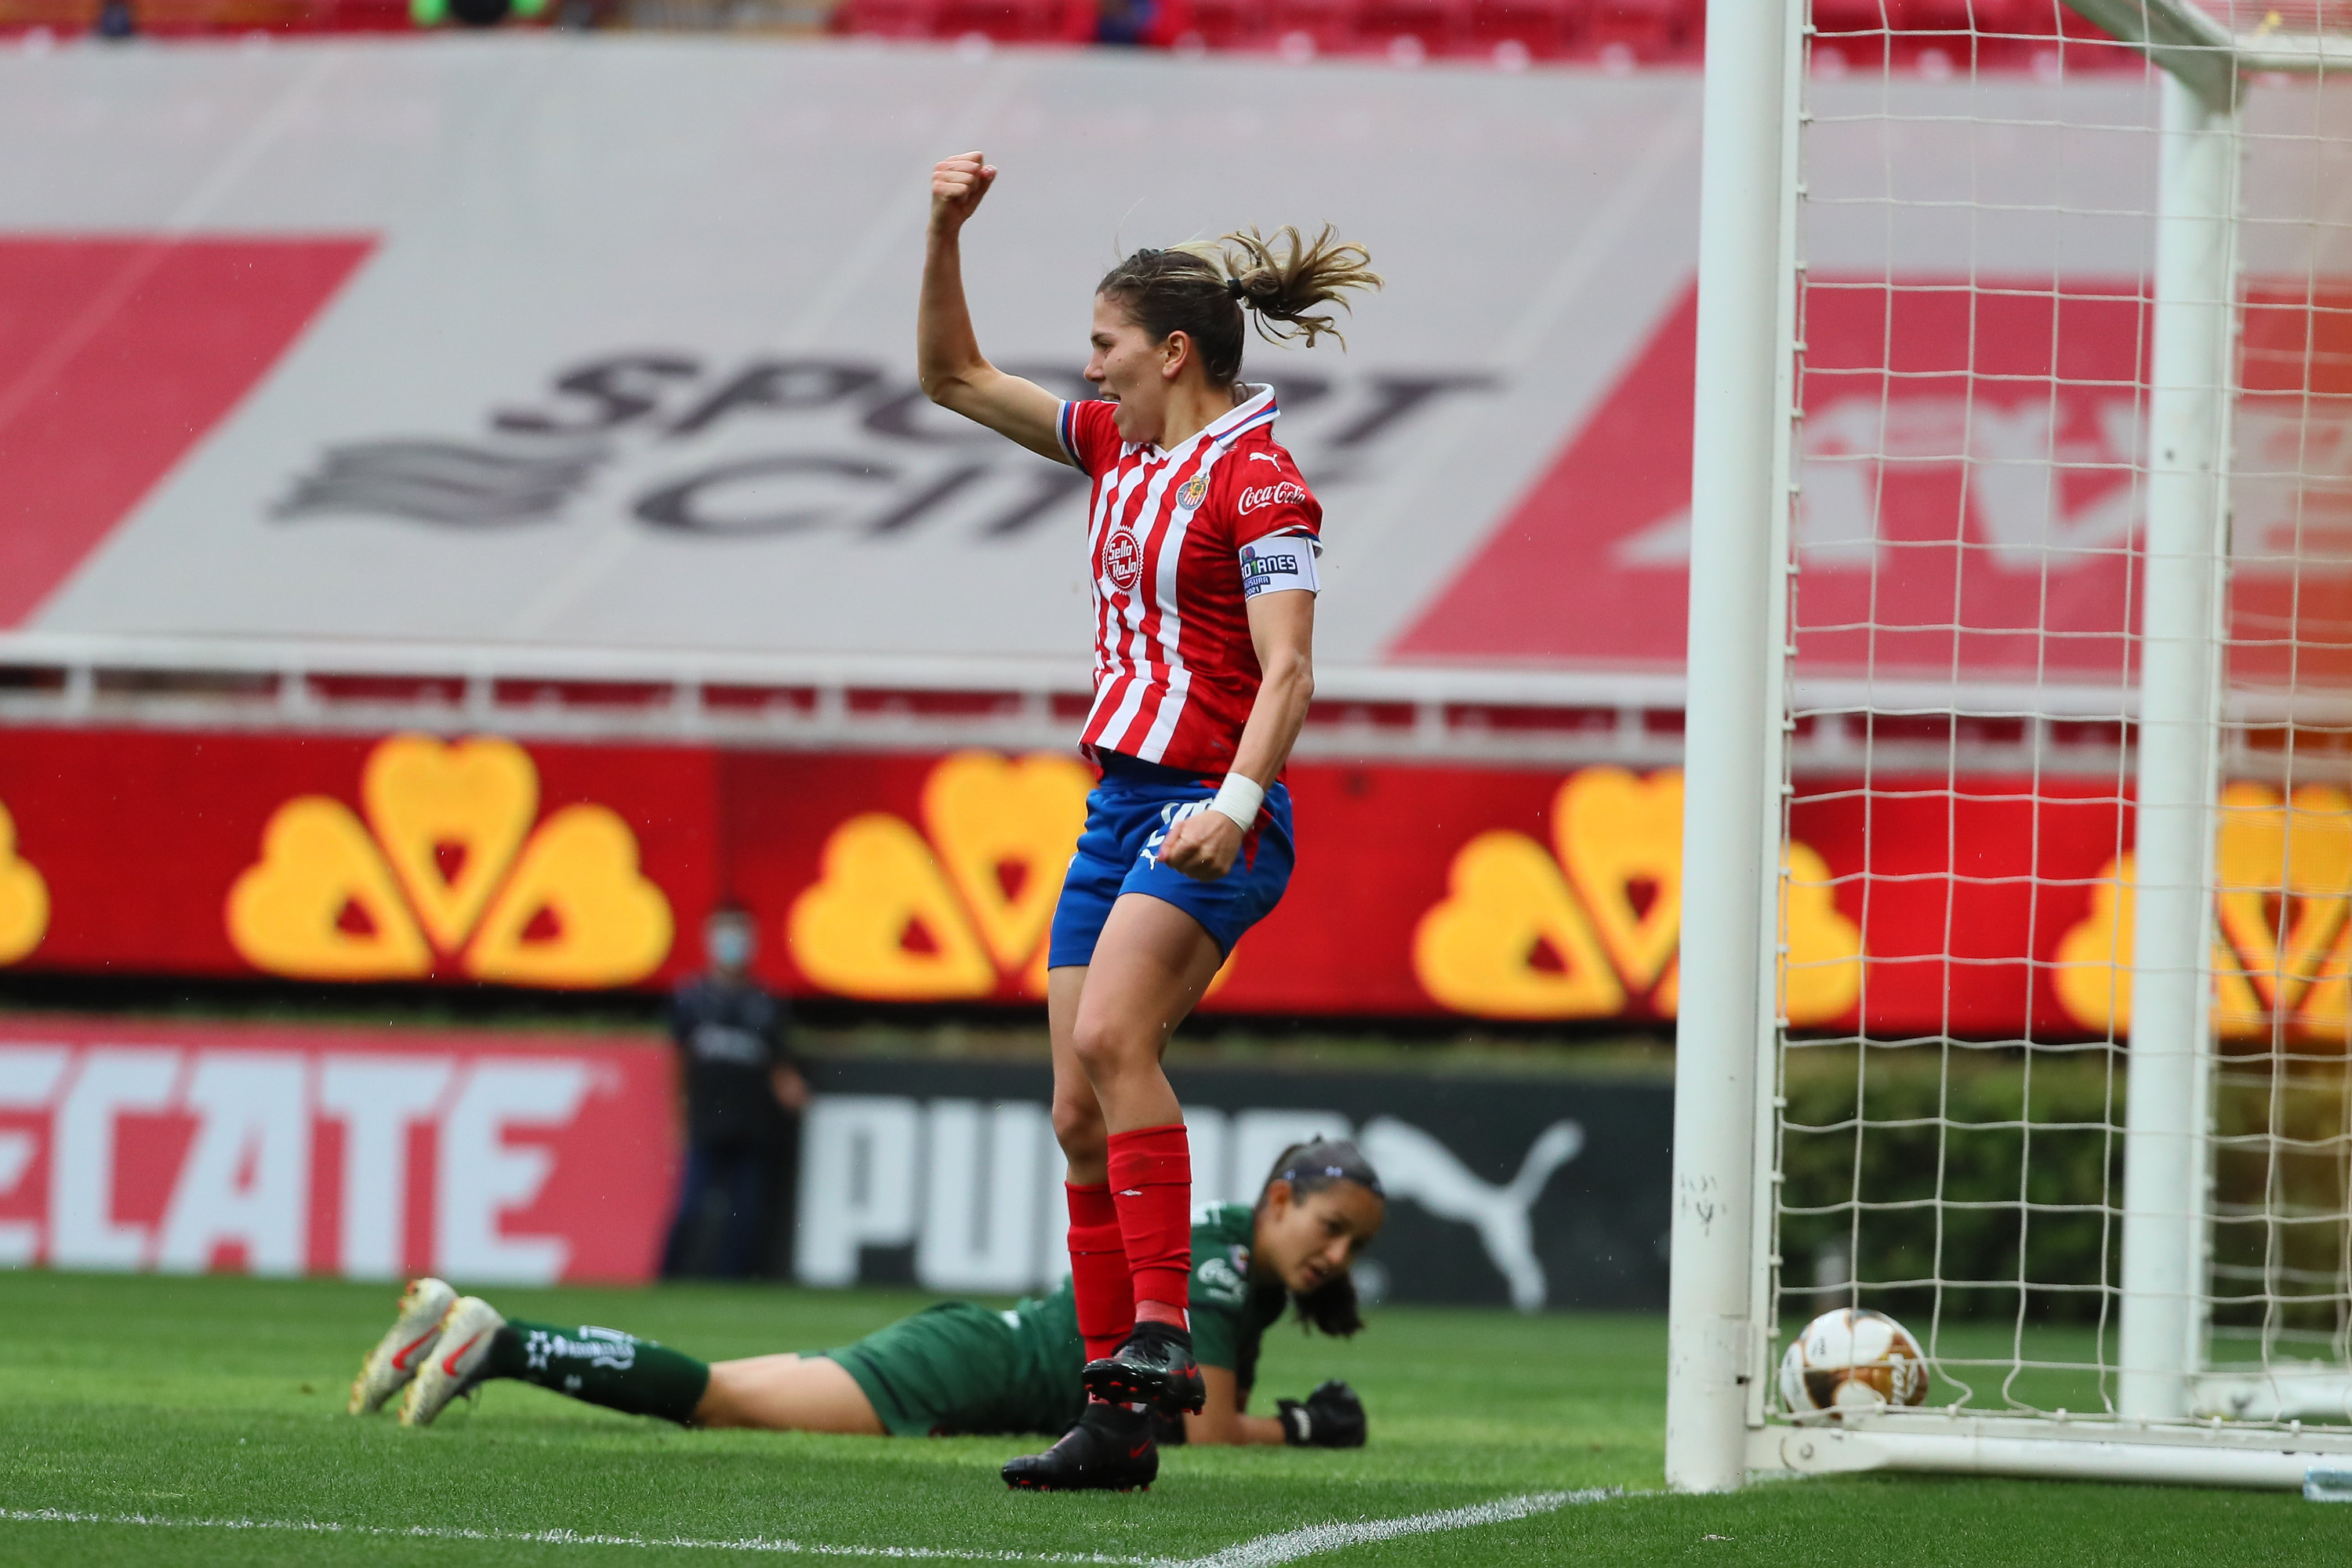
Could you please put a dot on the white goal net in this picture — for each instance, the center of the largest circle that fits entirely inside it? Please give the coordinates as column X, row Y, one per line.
column 2056, row 620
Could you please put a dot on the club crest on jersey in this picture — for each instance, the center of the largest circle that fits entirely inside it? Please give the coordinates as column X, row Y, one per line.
column 1122, row 558
column 1195, row 490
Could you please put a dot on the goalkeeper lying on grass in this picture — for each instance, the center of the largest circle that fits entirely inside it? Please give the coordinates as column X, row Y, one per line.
column 955, row 1367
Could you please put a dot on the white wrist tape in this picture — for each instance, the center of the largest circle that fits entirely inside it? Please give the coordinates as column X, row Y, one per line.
column 1239, row 799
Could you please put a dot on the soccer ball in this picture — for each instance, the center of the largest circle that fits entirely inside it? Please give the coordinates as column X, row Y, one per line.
column 1851, row 1359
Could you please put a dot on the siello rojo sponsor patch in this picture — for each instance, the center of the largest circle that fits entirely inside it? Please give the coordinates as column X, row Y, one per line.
column 1122, row 558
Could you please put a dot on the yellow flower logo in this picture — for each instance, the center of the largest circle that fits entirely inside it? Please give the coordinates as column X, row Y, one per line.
column 448, row 862
column 2282, row 953
column 24, row 897
column 1576, row 928
column 942, row 913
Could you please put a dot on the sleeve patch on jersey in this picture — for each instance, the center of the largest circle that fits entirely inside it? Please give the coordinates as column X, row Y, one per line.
column 1217, row 1282
column 1278, row 562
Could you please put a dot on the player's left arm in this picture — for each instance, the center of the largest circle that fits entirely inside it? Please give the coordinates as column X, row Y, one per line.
column 1282, row 629
column 1330, row 1417
column 1221, row 1420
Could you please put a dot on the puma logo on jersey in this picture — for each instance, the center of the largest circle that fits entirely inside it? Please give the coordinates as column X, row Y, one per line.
column 1266, row 458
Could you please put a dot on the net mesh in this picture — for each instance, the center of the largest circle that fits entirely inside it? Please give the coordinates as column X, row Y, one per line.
column 1977, row 232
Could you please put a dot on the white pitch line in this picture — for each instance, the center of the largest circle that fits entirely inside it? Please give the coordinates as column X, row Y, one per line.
column 1264, row 1552
column 1292, row 1544
column 571, row 1538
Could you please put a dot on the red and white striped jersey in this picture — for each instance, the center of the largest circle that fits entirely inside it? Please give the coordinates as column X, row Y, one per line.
column 1181, row 541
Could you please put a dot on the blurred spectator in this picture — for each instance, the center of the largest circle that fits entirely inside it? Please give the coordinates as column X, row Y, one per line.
column 741, row 1093
column 1125, row 21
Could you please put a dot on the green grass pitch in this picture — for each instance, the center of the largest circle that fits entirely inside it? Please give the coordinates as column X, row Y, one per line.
column 222, row 1399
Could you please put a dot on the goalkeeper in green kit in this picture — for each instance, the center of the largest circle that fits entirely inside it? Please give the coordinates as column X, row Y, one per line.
column 955, row 1367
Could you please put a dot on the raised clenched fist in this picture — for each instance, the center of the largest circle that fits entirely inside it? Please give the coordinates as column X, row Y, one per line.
column 958, row 183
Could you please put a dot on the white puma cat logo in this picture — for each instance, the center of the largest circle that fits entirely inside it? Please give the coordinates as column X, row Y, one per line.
column 1266, row 457
column 1412, row 1164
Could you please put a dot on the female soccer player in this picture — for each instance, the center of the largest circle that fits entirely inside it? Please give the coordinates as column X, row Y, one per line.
column 955, row 1367
column 1202, row 540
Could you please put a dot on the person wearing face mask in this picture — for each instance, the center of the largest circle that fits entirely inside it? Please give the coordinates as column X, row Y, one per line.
column 957, row 1367
column 741, row 1094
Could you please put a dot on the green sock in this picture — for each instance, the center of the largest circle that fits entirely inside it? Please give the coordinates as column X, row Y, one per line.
column 603, row 1366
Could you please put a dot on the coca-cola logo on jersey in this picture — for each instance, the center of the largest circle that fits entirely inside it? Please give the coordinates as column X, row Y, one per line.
column 1271, row 495
column 1122, row 558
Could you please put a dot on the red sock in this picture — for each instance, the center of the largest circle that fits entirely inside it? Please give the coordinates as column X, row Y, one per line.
column 1151, row 1182
column 1098, row 1273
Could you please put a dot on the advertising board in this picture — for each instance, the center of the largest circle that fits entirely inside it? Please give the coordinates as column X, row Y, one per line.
column 1518, row 894
column 667, row 410
column 371, row 1154
column 517, row 1159
column 1526, row 894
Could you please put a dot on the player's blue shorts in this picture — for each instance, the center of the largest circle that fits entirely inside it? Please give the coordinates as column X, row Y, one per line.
column 1127, row 815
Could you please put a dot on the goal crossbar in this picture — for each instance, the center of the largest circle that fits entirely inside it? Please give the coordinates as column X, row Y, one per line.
column 2208, row 56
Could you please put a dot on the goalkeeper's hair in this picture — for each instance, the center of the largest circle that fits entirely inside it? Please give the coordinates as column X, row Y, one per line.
column 1201, row 288
column 1309, row 1168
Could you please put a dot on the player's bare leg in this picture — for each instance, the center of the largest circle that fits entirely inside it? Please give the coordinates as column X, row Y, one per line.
column 1152, row 965
column 787, row 1393
column 1077, row 1114
column 1111, row 1022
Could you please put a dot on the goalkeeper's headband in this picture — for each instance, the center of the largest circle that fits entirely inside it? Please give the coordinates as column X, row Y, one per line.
column 1332, row 1160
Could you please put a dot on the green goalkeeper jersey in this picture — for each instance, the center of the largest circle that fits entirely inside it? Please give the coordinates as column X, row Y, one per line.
column 958, row 1367
column 1230, row 1313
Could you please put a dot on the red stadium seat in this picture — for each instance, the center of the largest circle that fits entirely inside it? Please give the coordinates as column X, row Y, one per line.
column 1334, row 25
column 1212, row 24
column 1839, row 17
column 1438, row 26
column 888, row 18
column 365, row 15
column 1545, row 28
column 1652, row 29
column 1018, row 21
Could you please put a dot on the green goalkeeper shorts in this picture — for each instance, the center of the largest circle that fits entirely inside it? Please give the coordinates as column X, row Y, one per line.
column 958, row 1368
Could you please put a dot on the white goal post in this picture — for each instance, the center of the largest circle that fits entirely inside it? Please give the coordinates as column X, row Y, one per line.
column 2187, row 1322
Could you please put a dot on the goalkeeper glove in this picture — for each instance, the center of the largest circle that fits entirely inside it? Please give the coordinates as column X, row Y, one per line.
column 1332, row 1417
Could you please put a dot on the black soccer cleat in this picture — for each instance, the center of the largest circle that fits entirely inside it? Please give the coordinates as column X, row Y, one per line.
column 1154, row 1367
column 1109, row 1450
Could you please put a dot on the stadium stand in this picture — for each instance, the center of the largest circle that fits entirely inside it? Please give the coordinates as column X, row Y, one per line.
column 1931, row 35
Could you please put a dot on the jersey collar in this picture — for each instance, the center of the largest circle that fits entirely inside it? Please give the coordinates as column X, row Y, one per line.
column 1257, row 410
